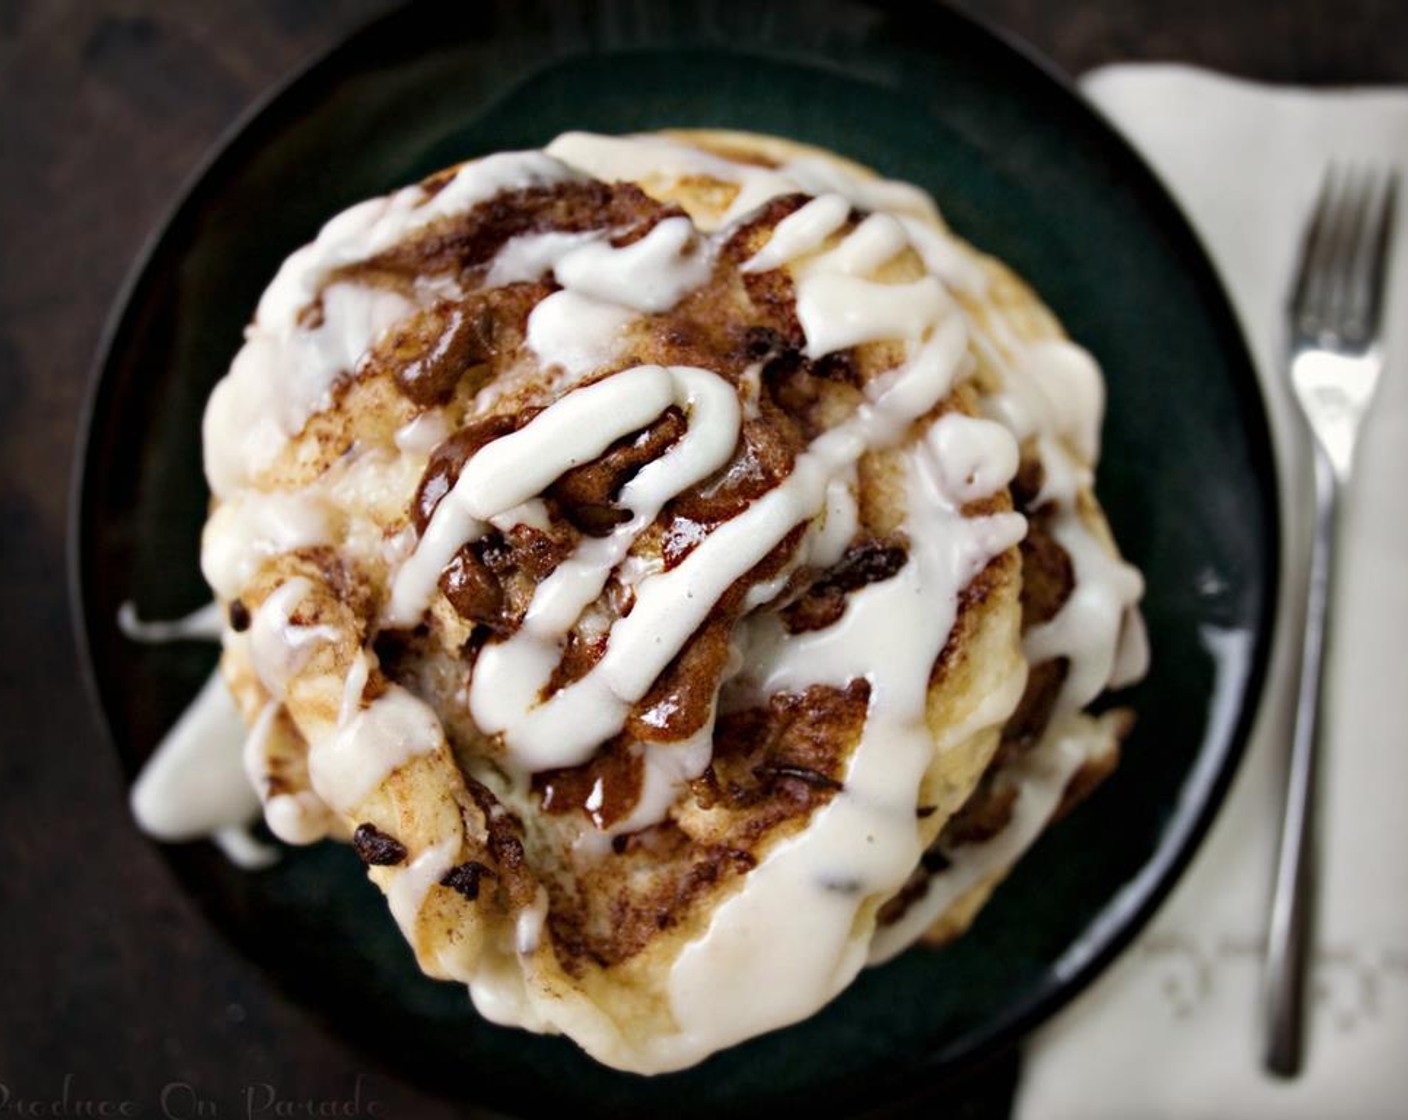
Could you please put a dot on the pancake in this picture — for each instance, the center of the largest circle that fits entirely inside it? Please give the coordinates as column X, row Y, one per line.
column 672, row 563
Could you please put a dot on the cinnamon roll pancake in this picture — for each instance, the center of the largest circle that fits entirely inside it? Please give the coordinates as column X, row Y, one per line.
column 671, row 562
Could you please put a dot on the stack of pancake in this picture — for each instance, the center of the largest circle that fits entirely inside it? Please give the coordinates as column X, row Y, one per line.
column 671, row 561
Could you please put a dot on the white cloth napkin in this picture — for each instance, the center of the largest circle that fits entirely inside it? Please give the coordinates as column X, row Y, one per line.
column 1174, row 1028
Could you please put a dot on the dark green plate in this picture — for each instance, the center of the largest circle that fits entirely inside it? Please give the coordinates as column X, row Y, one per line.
column 1021, row 166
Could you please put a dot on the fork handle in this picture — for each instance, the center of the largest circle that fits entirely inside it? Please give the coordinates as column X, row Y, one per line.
column 1292, row 912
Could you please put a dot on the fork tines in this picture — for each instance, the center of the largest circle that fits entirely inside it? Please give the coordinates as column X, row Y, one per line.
column 1338, row 293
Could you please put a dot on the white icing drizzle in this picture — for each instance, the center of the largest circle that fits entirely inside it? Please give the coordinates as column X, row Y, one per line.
column 279, row 648
column 774, row 951
column 423, row 434
column 203, row 624
column 251, row 527
column 298, row 818
column 1132, row 650
column 789, row 938
column 409, row 885
column 510, row 675
column 528, row 930
column 1087, row 628
column 604, row 288
column 509, row 471
column 1098, row 629
column 346, row 766
column 651, row 274
column 1073, row 392
column 357, row 677
column 878, row 239
column 283, row 375
column 659, row 159
column 671, row 605
column 1052, row 391
column 942, row 256
column 818, row 176
column 577, row 333
column 371, row 227
column 295, row 818
column 290, row 361
column 1040, row 777
column 500, row 994
column 838, row 311
column 243, row 849
column 974, row 458
column 531, row 256
column 836, row 306
column 1051, row 388
column 257, row 745
column 802, row 232
column 194, row 783
column 647, row 158
column 840, row 521
column 533, row 513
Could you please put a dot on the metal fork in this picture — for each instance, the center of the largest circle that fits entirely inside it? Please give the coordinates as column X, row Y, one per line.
column 1334, row 361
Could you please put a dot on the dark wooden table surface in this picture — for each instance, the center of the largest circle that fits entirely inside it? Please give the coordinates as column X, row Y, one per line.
column 112, row 989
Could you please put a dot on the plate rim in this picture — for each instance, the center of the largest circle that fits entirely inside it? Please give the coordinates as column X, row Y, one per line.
column 1185, row 830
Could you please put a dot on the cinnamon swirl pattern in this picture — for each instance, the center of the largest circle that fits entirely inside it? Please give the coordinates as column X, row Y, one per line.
column 671, row 561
